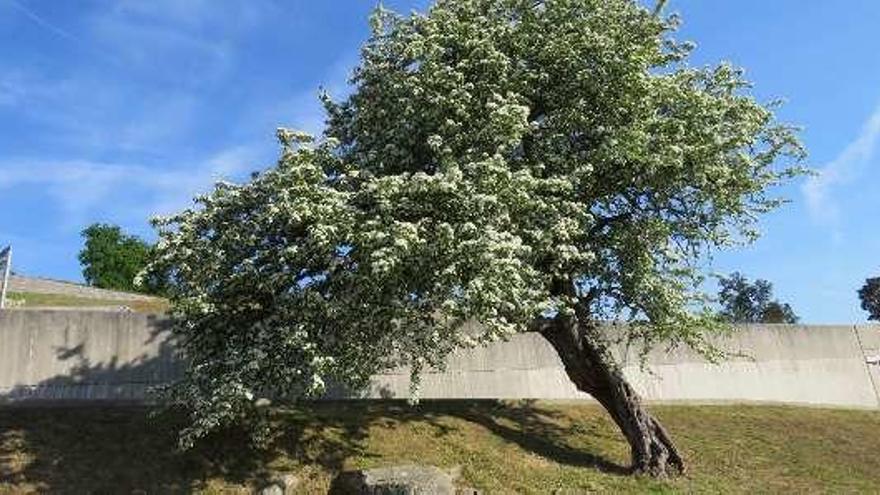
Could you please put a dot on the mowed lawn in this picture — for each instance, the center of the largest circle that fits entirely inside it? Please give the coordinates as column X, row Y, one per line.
column 498, row 447
column 40, row 300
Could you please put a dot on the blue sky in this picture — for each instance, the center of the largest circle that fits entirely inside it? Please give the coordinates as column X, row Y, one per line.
column 113, row 111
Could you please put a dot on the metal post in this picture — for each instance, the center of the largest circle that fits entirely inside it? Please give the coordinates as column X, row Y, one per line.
column 7, row 254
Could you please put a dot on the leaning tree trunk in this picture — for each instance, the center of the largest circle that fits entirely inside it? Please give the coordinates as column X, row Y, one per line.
column 593, row 370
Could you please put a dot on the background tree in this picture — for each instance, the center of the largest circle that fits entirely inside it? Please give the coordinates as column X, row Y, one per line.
column 530, row 166
column 111, row 259
column 745, row 302
column 869, row 294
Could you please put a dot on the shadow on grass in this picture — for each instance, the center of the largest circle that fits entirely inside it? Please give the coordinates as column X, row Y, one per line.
column 78, row 447
column 86, row 430
column 535, row 429
column 122, row 449
column 112, row 450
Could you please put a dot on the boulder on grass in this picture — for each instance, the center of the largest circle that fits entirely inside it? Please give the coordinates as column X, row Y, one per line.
column 397, row 480
column 280, row 485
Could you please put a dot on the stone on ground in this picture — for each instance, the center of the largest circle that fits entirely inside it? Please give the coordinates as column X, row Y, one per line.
column 282, row 485
column 397, row 480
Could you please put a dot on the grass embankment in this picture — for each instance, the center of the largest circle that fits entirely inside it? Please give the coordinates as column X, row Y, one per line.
column 499, row 448
column 39, row 300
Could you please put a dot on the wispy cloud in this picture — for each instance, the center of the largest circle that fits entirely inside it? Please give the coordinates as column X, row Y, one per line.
column 303, row 110
column 168, row 53
column 234, row 14
column 85, row 114
column 145, row 83
column 12, row 89
column 142, row 136
column 130, row 108
column 130, row 193
column 43, row 23
column 122, row 136
column 820, row 190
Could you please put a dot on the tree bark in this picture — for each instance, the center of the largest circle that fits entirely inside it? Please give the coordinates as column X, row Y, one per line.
column 592, row 368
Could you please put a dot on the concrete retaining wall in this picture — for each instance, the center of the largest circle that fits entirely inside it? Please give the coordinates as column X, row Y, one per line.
column 116, row 356
column 55, row 354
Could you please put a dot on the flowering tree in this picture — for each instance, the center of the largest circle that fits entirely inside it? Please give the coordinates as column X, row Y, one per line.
column 532, row 166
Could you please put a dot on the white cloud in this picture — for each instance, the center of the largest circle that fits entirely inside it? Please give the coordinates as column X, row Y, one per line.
column 303, row 111
column 12, row 89
column 128, row 193
column 819, row 190
column 174, row 190
column 189, row 44
column 232, row 14
column 146, row 94
column 168, row 54
column 153, row 71
column 43, row 23
column 86, row 114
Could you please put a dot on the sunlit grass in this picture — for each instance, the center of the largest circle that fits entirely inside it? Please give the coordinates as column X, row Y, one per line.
column 39, row 300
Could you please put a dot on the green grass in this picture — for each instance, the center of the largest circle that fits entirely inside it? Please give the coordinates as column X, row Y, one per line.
column 39, row 300
column 499, row 447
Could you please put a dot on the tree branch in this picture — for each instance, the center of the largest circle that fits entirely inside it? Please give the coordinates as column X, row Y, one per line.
column 608, row 221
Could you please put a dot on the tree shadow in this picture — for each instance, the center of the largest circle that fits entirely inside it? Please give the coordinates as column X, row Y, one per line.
column 542, row 431
column 115, row 449
column 114, row 381
column 328, row 433
column 51, row 440
column 94, row 429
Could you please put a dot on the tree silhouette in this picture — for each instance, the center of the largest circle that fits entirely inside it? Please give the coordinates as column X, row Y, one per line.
column 745, row 302
column 869, row 295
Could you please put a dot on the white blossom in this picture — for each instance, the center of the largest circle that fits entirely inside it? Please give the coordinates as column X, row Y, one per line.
column 480, row 168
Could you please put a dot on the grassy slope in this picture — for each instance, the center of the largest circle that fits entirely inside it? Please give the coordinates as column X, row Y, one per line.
column 34, row 300
column 499, row 447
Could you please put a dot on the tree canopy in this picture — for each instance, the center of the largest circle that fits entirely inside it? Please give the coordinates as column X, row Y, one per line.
column 869, row 295
column 525, row 165
column 746, row 302
column 112, row 259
